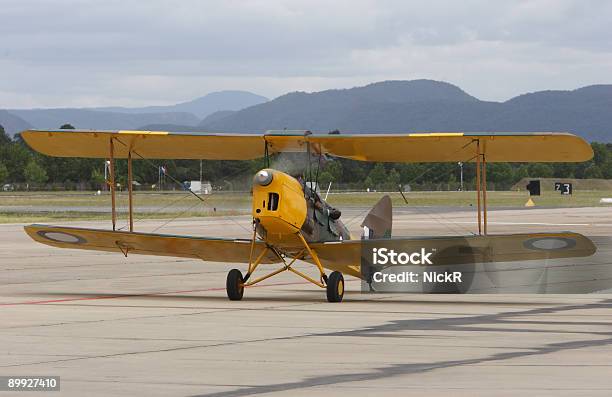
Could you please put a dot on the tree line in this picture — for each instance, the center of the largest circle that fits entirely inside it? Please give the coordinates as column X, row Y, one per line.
column 22, row 168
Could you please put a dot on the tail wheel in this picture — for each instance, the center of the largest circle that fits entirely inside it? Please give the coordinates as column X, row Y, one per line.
column 234, row 285
column 335, row 287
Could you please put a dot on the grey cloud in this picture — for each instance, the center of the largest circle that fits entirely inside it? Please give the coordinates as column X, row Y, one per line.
column 127, row 52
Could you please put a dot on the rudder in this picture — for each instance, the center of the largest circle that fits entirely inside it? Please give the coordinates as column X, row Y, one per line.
column 379, row 221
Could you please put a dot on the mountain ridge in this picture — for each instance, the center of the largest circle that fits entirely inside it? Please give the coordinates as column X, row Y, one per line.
column 189, row 113
column 428, row 106
column 202, row 106
column 12, row 123
column 393, row 106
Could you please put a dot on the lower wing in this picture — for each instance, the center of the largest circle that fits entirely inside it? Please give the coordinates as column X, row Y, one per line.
column 207, row 249
column 346, row 256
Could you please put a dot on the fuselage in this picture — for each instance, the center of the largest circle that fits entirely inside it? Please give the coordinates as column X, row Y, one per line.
column 284, row 206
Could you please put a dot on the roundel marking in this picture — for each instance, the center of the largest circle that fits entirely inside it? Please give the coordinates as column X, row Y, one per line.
column 549, row 243
column 62, row 237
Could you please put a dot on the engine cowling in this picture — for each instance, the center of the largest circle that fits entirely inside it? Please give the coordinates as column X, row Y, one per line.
column 279, row 206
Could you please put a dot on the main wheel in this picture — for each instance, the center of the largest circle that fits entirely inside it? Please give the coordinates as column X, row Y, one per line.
column 234, row 285
column 335, row 287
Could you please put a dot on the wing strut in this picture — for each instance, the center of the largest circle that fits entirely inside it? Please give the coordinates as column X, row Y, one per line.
column 478, row 185
column 481, row 188
column 130, row 188
column 112, row 181
column 484, row 192
column 113, row 186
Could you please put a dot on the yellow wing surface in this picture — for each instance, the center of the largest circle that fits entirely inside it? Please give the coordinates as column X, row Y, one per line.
column 207, row 249
column 408, row 147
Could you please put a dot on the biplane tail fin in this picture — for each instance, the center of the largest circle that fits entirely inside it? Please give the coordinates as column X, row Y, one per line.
column 379, row 221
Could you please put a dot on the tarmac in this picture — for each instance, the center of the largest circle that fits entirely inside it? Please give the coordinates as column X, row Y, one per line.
column 158, row 326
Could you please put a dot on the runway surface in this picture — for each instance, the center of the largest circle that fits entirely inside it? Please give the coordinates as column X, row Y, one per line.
column 155, row 326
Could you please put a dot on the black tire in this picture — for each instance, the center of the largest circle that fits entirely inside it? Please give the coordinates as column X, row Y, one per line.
column 335, row 287
column 234, row 286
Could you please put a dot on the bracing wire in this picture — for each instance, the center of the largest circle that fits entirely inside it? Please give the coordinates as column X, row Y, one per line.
column 157, row 211
column 175, row 218
column 452, row 226
column 181, row 185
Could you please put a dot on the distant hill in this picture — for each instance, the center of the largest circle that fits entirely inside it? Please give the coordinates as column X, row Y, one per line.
column 92, row 119
column 170, row 127
column 585, row 111
column 426, row 105
column 203, row 106
column 12, row 123
column 216, row 116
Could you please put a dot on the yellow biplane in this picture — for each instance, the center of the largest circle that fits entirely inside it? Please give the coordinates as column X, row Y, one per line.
column 291, row 221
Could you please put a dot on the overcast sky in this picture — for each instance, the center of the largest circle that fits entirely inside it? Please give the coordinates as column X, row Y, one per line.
column 120, row 52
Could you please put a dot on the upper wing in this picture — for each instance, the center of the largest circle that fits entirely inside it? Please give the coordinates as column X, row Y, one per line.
column 410, row 148
column 460, row 146
column 207, row 249
column 148, row 144
column 346, row 256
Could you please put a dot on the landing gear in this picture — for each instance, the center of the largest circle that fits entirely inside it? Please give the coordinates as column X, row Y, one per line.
column 236, row 282
column 235, row 285
column 335, row 287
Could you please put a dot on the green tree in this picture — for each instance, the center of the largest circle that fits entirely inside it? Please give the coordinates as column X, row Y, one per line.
column 324, row 179
column 67, row 126
column 3, row 173
column 378, row 175
column 353, row 171
column 34, row 173
column 97, row 178
column 601, row 154
column 606, row 169
column 501, row 174
column 521, row 172
column 15, row 156
column 410, row 172
column 540, row 170
column 563, row 170
column 393, row 179
column 4, row 138
column 334, row 168
column 593, row 171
